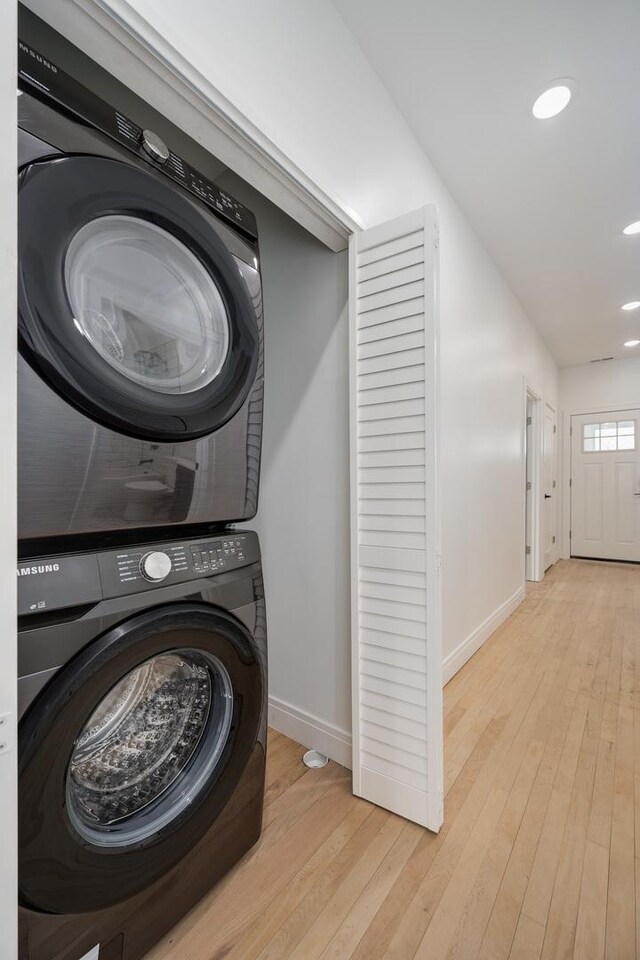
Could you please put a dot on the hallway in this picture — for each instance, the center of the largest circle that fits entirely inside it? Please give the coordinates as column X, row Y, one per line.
column 536, row 857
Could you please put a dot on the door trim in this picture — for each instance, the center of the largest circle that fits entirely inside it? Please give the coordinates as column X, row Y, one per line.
column 555, row 550
column 122, row 41
column 8, row 528
column 533, row 565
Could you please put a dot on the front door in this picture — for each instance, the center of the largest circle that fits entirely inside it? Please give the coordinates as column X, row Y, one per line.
column 605, row 486
column 549, row 486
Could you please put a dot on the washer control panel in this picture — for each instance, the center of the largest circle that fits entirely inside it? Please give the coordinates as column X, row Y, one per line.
column 132, row 569
column 218, row 555
column 71, row 580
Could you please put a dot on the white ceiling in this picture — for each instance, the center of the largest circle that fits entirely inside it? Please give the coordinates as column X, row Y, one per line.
column 548, row 198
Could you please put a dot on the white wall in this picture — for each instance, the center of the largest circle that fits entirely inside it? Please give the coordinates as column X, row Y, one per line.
column 599, row 386
column 592, row 388
column 8, row 667
column 294, row 70
column 487, row 348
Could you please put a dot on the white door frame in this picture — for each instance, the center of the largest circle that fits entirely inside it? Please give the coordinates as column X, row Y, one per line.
column 555, row 553
column 532, row 528
column 8, row 353
column 565, row 545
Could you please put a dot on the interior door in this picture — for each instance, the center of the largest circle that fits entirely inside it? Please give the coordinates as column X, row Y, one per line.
column 605, row 486
column 396, row 601
column 549, row 486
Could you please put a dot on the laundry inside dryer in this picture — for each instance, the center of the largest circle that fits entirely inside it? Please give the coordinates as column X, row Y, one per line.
column 146, row 304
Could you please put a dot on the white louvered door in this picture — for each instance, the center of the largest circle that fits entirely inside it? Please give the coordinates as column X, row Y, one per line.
column 395, row 538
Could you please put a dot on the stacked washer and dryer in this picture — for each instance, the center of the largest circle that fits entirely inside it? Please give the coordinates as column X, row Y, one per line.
column 142, row 634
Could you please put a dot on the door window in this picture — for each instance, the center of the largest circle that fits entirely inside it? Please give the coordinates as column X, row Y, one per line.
column 146, row 304
column 612, row 436
column 140, row 739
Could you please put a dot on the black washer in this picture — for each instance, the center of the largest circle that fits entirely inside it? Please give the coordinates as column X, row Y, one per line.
column 61, row 871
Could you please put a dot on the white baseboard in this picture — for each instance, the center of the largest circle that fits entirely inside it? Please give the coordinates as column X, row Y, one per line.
column 458, row 657
column 310, row 731
column 335, row 743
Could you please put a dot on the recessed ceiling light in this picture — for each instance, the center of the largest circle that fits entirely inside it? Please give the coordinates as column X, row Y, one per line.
column 632, row 305
column 632, row 229
column 632, row 343
column 551, row 102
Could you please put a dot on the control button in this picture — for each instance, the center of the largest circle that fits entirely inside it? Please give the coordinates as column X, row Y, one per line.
column 155, row 566
column 154, row 146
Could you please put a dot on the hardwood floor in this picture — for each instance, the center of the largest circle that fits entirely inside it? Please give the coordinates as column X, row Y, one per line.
column 539, row 855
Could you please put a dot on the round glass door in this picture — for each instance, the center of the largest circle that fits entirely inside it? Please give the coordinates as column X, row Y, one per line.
column 131, row 304
column 133, row 750
column 146, row 304
column 148, row 746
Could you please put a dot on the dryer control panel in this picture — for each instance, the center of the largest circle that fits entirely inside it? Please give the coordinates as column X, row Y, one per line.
column 45, row 79
column 54, row 583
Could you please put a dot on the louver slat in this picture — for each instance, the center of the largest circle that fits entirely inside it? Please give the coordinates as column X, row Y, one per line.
column 397, row 658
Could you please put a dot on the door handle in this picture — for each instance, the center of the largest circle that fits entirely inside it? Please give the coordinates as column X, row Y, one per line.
column 547, row 496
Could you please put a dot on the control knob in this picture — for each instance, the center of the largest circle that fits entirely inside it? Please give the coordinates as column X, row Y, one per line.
column 155, row 566
column 154, row 146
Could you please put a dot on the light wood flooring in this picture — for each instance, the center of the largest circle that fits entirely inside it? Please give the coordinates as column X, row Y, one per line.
column 539, row 855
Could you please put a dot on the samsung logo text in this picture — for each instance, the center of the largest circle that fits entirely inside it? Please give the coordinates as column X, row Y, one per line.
column 39, row 568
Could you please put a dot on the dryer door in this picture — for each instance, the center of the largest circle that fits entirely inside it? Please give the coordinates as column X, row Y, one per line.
column 130, row 304
column 131, row 752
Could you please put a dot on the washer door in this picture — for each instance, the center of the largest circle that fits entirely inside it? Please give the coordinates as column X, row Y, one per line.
column 130, row 304
column 131, row 752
